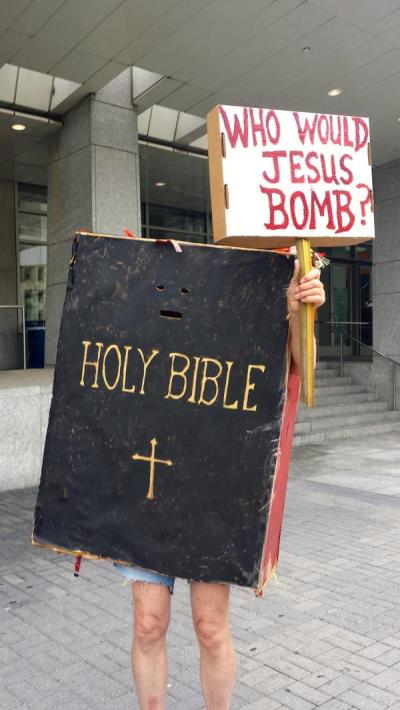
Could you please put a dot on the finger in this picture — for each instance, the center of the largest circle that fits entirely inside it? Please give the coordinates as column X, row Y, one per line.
column 313, row 292
column 309, row 284
column 310, row 275
column 306, row 284
column 316, row 299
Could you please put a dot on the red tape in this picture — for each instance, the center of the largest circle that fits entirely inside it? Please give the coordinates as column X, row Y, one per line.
column 174, row 243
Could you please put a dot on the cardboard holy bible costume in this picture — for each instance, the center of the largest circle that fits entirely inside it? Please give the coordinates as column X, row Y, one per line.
column 173, row 409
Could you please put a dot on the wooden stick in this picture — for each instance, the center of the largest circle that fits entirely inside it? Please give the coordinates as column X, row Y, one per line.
column 307, row 341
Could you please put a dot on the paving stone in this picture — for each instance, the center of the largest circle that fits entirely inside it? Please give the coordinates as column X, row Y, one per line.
column 361, row 702
column 52, row 702
column 326, row 634
column 316, row 649
column 386, row 678
column 392, row 641
column 353, row 671
column 367, row 664
column 384, row 697
column 274, row 682
column 286, row 667
column 77, row 705
column 338, row 685
column 8, row 700
column 291, row 701
column 312, row 695
column 264, row 704
column 259, row 675
column 390, row 657
column 393, row 687
column 333, row 655
column 334, row 704
column 374, row 650
column 321, row 677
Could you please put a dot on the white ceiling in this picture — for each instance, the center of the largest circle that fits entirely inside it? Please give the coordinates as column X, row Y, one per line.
column 228, row 51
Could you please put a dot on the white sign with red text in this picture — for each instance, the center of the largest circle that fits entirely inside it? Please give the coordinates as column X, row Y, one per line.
column 290, row 174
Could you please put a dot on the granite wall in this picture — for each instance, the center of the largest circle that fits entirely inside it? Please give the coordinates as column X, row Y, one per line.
column 386, row 257
column 386, row 279
column 93, row 184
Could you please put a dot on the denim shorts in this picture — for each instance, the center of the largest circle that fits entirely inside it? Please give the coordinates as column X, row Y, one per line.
column 136, row 574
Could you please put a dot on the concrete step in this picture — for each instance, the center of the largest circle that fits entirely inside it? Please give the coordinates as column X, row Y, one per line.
column 325, row 392
column 339, row 421
column 334, row 381
column 322, row 375
column 347, row 432
column 343, row 410
column 348, row 407
column 324, row 398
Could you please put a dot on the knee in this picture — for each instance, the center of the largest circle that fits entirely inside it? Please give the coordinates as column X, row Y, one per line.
column 150, row 629
column 211, row 634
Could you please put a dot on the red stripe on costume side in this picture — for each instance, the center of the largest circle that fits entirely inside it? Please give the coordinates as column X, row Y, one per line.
column 270, row 553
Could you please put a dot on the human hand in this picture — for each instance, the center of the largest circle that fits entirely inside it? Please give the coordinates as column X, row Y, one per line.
column 308, row 289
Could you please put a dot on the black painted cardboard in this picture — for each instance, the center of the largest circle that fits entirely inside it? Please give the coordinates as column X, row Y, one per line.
column 204, row 516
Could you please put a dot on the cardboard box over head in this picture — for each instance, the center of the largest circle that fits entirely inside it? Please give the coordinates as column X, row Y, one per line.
column 277, row 176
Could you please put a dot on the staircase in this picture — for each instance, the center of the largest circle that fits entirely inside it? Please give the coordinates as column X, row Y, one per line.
column 343, row 410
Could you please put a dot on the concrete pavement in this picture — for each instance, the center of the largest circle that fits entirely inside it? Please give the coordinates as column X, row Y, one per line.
column 326, row 634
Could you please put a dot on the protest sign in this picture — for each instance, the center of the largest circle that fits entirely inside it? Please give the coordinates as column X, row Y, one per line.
column 280, row 175
column 172, row 414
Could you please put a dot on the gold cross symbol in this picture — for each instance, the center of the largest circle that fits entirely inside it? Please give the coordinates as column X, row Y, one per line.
column 152, row 460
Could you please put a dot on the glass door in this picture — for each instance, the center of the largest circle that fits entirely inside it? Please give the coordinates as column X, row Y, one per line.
column 341, row 307
column 364, row 291
column 337, row 312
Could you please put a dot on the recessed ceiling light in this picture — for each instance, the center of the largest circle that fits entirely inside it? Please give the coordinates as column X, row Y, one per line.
column 18, row 127
column 335, row 92
column 306, row 50
column 160, row 184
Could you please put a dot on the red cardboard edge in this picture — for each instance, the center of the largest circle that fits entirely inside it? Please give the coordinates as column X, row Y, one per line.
column 269, row 559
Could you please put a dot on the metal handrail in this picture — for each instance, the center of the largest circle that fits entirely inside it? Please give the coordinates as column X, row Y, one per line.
column 386, row 357
column 23, row 329
column 344, row 322
column 395, row 363
column 360, row 342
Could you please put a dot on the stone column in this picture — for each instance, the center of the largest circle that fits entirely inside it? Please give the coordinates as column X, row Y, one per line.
column 386, row 274
column 93, row 184
column 10, row 346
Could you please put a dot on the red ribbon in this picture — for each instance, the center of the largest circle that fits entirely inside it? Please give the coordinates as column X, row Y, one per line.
column 174, row 243
column 77, row 565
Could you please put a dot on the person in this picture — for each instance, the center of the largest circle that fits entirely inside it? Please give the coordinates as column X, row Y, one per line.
column 151, row 592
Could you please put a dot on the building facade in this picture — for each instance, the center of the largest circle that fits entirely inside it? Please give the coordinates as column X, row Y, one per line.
column 110, row 134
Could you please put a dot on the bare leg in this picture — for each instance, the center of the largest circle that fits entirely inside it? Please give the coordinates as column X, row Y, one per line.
column 210, row 609
column 152, row 607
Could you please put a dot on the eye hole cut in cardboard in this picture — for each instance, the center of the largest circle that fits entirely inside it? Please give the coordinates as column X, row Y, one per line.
column 183, row 290
column 171, row 314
